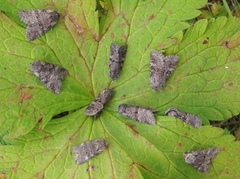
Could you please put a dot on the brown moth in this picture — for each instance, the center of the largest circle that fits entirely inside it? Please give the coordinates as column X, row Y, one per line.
column 161, row 68
column 97, row 105
column 190, row 119
column 87, row 150
column 49, row 74
column 201, row 159
column 117, row 57
column 140, row 114
column 38, row 21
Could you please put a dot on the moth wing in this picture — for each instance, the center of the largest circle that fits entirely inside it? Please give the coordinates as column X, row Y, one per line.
column 156, row 60
column 105, row 96
column 38, row 21
column 97, row 146
column 39, row 16
column 172, row 112
column 28, row 16
column 49, row 74
column 122, row 51
column 146, row 116
column 88, row 150
column 34, row 31
column 114, row 52
column 171, row 62
column 201, row 159
column 94, row 108
column 157, row 69
column 81, row 153
column 172, row 58
column 204, row 167
column 193, row 120
column 54, row 85
column 60, row 72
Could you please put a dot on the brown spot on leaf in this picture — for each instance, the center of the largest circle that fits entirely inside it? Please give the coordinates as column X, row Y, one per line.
column 47, row 138
column 223, row 148
column 71, row 138
column 133, row 130
column 170, row 88
column 205, row 41
column 161, row 46
column 112, row 35
column 228, row 44
column 90, row 168
column 14, row 169
column 151, row 17
column 24, row 95
column 123, row 96
column 11, row 2
column 179, row 145
column 170, row 12
column 185, row 134
column 39, row 175
column 12, row 52
column 149, row 143
column 174, row 40
column 78, row 25
column 124, row 36
column 40, row 120
column 230, row 84
column 122, row 25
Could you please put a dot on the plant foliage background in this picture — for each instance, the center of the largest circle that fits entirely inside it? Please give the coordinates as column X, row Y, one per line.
column 205, row 82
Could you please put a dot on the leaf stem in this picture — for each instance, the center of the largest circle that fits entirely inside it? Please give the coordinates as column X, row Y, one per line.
column 227, row 8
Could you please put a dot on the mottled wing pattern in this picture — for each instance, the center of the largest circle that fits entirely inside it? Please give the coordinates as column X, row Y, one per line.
column 38, row 21
column 87, row 150
column 93, row 108
column 97, row 105
column 156, row 70
column 190, row 119
column 170, row 65
column 146, row 116
column 161, row 68
column 29, row 16
column 122, row 52
column 114, row 52
column 117, row 57
column 140, row 114
column 49, row 74
column 201, row 159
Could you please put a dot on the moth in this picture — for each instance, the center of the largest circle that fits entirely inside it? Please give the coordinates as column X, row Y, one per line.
column 97, row 105
column 87, row 150
column 38, row 21
column 201, row 159
column 49, row 74
column 117, row 57
column 190, row 119
column 161, row 68
column 140, row 114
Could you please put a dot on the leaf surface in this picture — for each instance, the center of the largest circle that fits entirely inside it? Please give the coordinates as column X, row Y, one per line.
column 204, row 83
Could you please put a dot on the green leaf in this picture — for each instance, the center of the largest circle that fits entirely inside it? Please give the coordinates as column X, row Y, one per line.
column 135, row 150
column 208, row 69
column 204, row 83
